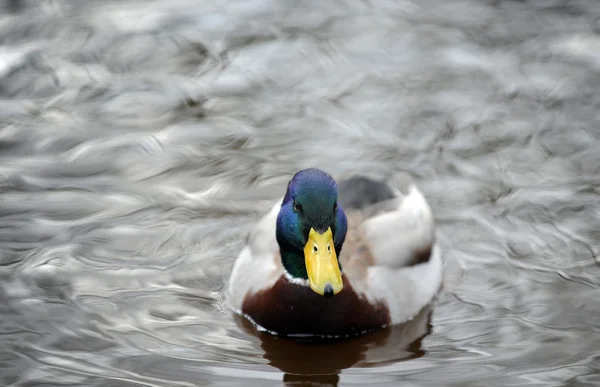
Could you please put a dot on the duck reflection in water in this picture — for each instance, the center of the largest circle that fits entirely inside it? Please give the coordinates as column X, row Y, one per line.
column 305, row 360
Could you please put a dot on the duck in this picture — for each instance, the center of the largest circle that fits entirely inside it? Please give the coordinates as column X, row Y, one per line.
column 336, row 260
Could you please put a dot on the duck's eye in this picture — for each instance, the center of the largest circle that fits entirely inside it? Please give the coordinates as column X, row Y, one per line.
column 335, row 206
column 315, row 248
column 297, row 206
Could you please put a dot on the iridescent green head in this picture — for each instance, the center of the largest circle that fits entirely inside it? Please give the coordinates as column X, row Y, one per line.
column 311, row 228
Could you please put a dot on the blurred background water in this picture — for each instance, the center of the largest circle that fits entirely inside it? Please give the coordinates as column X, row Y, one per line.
column 140, row 140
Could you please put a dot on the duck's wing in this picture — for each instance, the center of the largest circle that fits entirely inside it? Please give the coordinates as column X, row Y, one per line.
column 390, row 255
column 395, row 223
column 400, row 231
column 258, row 265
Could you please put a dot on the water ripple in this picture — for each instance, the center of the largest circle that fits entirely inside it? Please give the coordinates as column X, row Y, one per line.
column 139, row 144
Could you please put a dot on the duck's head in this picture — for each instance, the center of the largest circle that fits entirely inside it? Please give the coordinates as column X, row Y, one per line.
column 311, row 228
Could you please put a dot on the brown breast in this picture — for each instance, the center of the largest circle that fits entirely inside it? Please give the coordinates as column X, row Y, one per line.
column 290, row 309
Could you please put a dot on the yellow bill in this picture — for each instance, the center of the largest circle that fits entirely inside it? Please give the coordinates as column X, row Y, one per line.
column 324, row 274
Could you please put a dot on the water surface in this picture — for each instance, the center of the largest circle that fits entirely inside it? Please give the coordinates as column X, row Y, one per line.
column 140, row 140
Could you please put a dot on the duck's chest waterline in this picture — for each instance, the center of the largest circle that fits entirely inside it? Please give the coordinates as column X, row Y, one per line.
column 291, row 309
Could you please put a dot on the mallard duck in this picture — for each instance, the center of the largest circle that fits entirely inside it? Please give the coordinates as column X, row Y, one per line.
column 337, row 261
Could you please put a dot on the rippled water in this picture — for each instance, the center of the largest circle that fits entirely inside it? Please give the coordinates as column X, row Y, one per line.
column 140, row 140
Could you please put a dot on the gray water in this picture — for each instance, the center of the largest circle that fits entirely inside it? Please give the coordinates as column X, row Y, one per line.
column 140, row 140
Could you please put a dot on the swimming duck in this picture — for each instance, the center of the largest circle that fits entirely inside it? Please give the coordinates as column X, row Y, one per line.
column 337, row 261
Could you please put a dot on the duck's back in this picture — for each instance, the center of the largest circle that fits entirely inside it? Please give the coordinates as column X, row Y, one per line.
column 359, row 192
